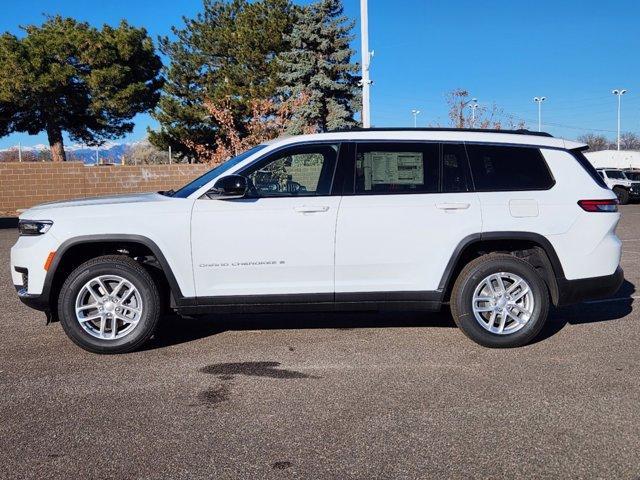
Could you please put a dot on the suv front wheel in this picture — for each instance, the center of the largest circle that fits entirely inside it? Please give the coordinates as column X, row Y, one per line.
column 109, row 304
column 500, row 301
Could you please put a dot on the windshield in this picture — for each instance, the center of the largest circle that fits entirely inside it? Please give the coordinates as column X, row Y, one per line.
column 189, row 188
column 616, row 174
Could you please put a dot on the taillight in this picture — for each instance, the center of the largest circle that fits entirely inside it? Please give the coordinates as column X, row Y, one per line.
column 599, row 205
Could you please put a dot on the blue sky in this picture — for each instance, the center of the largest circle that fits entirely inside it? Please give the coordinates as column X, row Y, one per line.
column 504, row 52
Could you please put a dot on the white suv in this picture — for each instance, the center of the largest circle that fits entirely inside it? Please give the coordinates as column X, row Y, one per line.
column 617, row 180
column 498, row 225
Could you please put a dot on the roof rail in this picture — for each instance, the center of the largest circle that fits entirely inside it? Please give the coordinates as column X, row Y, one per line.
column 443, row 129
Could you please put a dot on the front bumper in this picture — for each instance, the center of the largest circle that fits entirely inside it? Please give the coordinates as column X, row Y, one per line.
column 35, row 301
column 583, row 289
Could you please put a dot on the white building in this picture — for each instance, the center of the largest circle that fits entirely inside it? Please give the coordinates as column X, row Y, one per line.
column 614, row 159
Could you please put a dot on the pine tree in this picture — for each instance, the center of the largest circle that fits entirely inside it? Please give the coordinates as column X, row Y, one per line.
column 67, row 76
column 223, row 55
column 318, row 64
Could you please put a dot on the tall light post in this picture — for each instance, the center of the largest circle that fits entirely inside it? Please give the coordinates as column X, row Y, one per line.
column 366, row 82
column 473, row 105
column 415, row 114
column 539, row 101
column 619, row 93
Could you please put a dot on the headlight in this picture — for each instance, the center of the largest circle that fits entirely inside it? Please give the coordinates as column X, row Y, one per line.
column 34, row 227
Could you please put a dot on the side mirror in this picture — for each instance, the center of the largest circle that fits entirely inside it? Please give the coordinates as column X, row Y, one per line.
column 229, row 187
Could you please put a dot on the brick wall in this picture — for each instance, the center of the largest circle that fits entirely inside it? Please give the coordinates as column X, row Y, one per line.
column 23, row 185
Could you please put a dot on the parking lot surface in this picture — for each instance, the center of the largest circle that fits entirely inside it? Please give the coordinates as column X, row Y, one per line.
column 337, row 396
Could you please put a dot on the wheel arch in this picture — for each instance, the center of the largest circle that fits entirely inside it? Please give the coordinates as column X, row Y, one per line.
column 532, row 247
column 82, row 248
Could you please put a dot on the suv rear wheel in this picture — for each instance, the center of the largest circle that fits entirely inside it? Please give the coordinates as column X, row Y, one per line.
column 500, row 301
column 109, row 304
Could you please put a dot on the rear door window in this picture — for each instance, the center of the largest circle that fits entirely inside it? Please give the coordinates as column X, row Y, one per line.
column 455, row 176
column 506, row 168
column 395, row 168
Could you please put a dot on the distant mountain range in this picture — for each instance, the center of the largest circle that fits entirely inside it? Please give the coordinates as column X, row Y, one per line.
column 110, row 151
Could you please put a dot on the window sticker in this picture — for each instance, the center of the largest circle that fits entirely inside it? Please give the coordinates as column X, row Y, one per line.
column 399, row 168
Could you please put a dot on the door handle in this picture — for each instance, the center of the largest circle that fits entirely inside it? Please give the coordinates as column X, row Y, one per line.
column 311, row 209
column 453, row 206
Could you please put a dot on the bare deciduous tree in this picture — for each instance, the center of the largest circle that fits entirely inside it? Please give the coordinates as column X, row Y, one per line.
column 596, row 142
column 629, row 141
column 12, row 155
column 459, row 101
column 143, row 153
column 269, row 120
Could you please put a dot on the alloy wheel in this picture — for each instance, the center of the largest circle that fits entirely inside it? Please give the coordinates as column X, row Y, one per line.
column 503, row 303
column 108, row 307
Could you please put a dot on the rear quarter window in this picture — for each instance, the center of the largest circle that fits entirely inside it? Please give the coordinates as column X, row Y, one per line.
column 506, row 168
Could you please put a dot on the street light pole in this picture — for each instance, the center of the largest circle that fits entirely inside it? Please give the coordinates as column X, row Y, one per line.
column 415, row 114
column 366, row 60
column 619, row 93
column 539, row 101
column 473, row 106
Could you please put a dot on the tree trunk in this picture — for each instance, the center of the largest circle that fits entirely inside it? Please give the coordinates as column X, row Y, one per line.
column 56, row 144
column 463, row 104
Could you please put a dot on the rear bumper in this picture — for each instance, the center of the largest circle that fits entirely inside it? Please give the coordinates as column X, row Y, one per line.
column 583, row 289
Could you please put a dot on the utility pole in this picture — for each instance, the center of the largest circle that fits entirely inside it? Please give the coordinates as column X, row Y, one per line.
column 19, row 151
column 415, row 114
column 619, row 93
column 539, row 101
column 169, row 154
column 366, row 60
column 473, row 106
column 97, row 155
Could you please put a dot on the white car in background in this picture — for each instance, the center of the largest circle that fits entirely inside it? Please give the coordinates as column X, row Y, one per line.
column 497, row 225
column 617, row 180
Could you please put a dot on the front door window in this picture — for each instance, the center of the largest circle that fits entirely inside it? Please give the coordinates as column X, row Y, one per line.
column 298, row 171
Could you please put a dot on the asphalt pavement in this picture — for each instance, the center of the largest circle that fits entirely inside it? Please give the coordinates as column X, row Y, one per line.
column 335, row 396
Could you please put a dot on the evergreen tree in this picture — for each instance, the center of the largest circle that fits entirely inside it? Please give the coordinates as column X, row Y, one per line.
column 66, row 76
column 318, row 65
column 225, row 54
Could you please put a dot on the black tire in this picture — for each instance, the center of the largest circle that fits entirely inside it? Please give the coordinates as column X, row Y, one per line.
column 622, row 194
column 469, row 279
column 128, row 269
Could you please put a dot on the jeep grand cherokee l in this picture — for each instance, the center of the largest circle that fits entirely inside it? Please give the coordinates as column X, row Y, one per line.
column 497, row 225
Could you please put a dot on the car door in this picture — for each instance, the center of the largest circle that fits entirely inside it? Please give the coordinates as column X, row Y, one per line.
column 516, row 189
column 409, row 206
column 278, row 243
